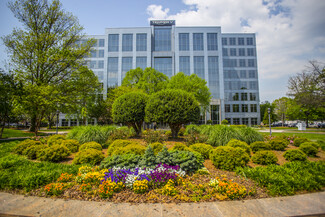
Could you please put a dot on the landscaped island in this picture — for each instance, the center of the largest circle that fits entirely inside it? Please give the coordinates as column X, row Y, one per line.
column 205, row 163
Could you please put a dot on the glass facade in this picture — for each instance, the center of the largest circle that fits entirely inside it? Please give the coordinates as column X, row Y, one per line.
column 164, row 65
column 126, row 65
column 212, row 41
column 113, row 40
column 112, row 71
column 199, row 66
column 141, row 42
column 213, row 71
column 215, row 114
column 127, row 42
column 163, row 38
column 101, row 42
column 197, row 41
column 184, row 41
column 141, row 62
column 184, row 64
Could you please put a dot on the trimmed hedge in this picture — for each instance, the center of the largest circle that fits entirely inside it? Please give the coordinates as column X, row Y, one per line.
column 91, row 145
column 298, row 141
column 55, row 140
column 239, row 144
column 295, row 155
column 88, row 156
column 260, row 146
column 264, row 158
column 130, row 149
column 54, row 153
column 309, row 148
column 71, row 144
column 202, row 148
column 278, row 145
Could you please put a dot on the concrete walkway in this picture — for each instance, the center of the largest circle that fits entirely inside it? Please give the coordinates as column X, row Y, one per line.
column 299, row 205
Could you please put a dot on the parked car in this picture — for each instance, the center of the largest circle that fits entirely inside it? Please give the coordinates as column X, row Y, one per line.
column 321, row 125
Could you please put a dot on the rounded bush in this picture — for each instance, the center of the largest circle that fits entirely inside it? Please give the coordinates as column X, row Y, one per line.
column 180, row 147
column 188, row 161
column 130, row 149
column 264, row 158
column 55, row 140
column 157, row 147
column 22, row 146
column 279, row 145
column 295, row 155
column 202, row 148
column 71, row 144
column 228, row 158
column 88, row 156
column 90, row 145
column 260, row 146
column 119, row 143
column 54, row 153
column 32, row 151
column 239, row 144
column 298, row 141
column 127, row 160
column 309, row 149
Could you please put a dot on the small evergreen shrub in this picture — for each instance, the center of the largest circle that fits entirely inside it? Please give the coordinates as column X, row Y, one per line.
column 149, row 158
column 54, row 153
column 55, row 139
column 202, row 148
column 180, row 147
column 22, row 146
column 260, row 146
column 32, row 151
column 128, row 161
column 130, row 149
column 309, row 149
column 188, row 161
column 157, row 147
column 298, row 141
column 264, row 158
column 295, row 155
column 239, row 144
column 71, row 144
column 91, row 145
column 119, row 143
column 228, row 158
column 164, row 157
column 88, row 156
column 279, row 145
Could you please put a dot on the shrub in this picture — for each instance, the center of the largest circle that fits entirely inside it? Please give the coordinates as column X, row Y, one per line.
column 321, row 144
column 202, row 148
column 279, row 145
column 22, row 146
column 239, row 144
column 224, row 122
column 157, row 147
column 130, row 149
column 168, row 133
column 180, row 147
column 191, row 129
column 249, row 135
column 298, row 141
column 128, row 161
column 163, row 157
column 120, row 143
column 152, row 136
column 54, row 153
column 260, row 146
column 149, row 159
column 91, row 145
column 295, row 155
column 55, row 140
column 264, row 158
column 308, row 148
column 220, row 135
column 228, row 158
column 188, row 161
column 71, row 144
column 181, row 132
column 89, row 156
column 32, row 151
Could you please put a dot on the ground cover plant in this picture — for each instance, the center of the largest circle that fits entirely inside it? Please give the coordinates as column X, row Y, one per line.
column 12, row 133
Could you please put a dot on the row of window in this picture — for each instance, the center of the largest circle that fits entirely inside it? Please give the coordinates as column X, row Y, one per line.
column 238, row 52
column 240, row 85
column 240, row 96
column 237, row 41
column 237, row 74
column 94, row 64
column 198, row 41
column 239, row 62
column 98, row 42
column 127, row 42
column 75, row 122
column 240, row 108
column 96, row 53
column 243, row 121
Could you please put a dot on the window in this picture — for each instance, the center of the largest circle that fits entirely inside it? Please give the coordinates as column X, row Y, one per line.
column 93, row 64
column 113, row 42
column 101, row 64
column 252, row 96
column 101, row 43
column 242, row 73
column 100, row 75
column 224, row 51
column 212, row 41
column 164, row 65
column 241, row 51
column 253, row 85
column 126, row 65
column 65, row 122
column 227, row 85
column 93, row 53
column 253, row 121
column 199, row 66
column 213, row 73
column 243, row 85
column 244, row 121
column 253, row 108
column 235, row 108
column 127, row 42
column 95, row 43
column 112, row 69
column 197, row 41
column 250, row 52
column 224, row 41
column 236, row 121
column 229, row 63
column 214, row 114
column 235, row 85
column 163, row 40
column 243, row 96
column 235, row 96
column 244, row 108
column 232, row 41
column 184, row 41
column 233, row 52
column 141, row 62
column 249, row 41
column 242, row 63
column 241, row 41
column 101, row 53
column 251, row 63
column 141, row 42
column 184, row 64
column 227, row 108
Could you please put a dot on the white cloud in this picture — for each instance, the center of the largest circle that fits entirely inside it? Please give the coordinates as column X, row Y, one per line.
column 288, row 32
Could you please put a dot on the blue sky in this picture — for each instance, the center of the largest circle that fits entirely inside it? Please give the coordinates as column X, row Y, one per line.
column 289, row 32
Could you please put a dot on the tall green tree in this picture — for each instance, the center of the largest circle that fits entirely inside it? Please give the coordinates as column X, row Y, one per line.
column 264, row 112
column 280, row 108
column 44, row 53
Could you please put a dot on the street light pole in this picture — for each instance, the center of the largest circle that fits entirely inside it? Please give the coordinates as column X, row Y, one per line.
column 269, row 111
column 57, row 121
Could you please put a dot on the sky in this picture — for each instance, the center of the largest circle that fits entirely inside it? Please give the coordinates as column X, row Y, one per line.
column 289, row 33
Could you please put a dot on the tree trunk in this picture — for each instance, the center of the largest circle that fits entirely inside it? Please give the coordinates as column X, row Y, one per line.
column 1, row 131
column 137, row 127
column 175, row 129
column 32, row 127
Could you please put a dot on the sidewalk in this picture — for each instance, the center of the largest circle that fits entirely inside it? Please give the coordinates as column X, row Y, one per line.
column 307, row 204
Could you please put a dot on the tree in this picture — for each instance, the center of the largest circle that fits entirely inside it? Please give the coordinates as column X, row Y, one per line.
column 130, row 109
column 308, row 89
column 44, row 54
column 192, row 84
column 264, row 112
column 280, row 108
column 172, row 106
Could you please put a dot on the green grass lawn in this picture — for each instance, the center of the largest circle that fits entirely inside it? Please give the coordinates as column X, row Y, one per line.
column 10, row 133
column 311, row 136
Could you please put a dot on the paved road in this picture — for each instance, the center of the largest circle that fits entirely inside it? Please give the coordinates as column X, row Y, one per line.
column 299, row 205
